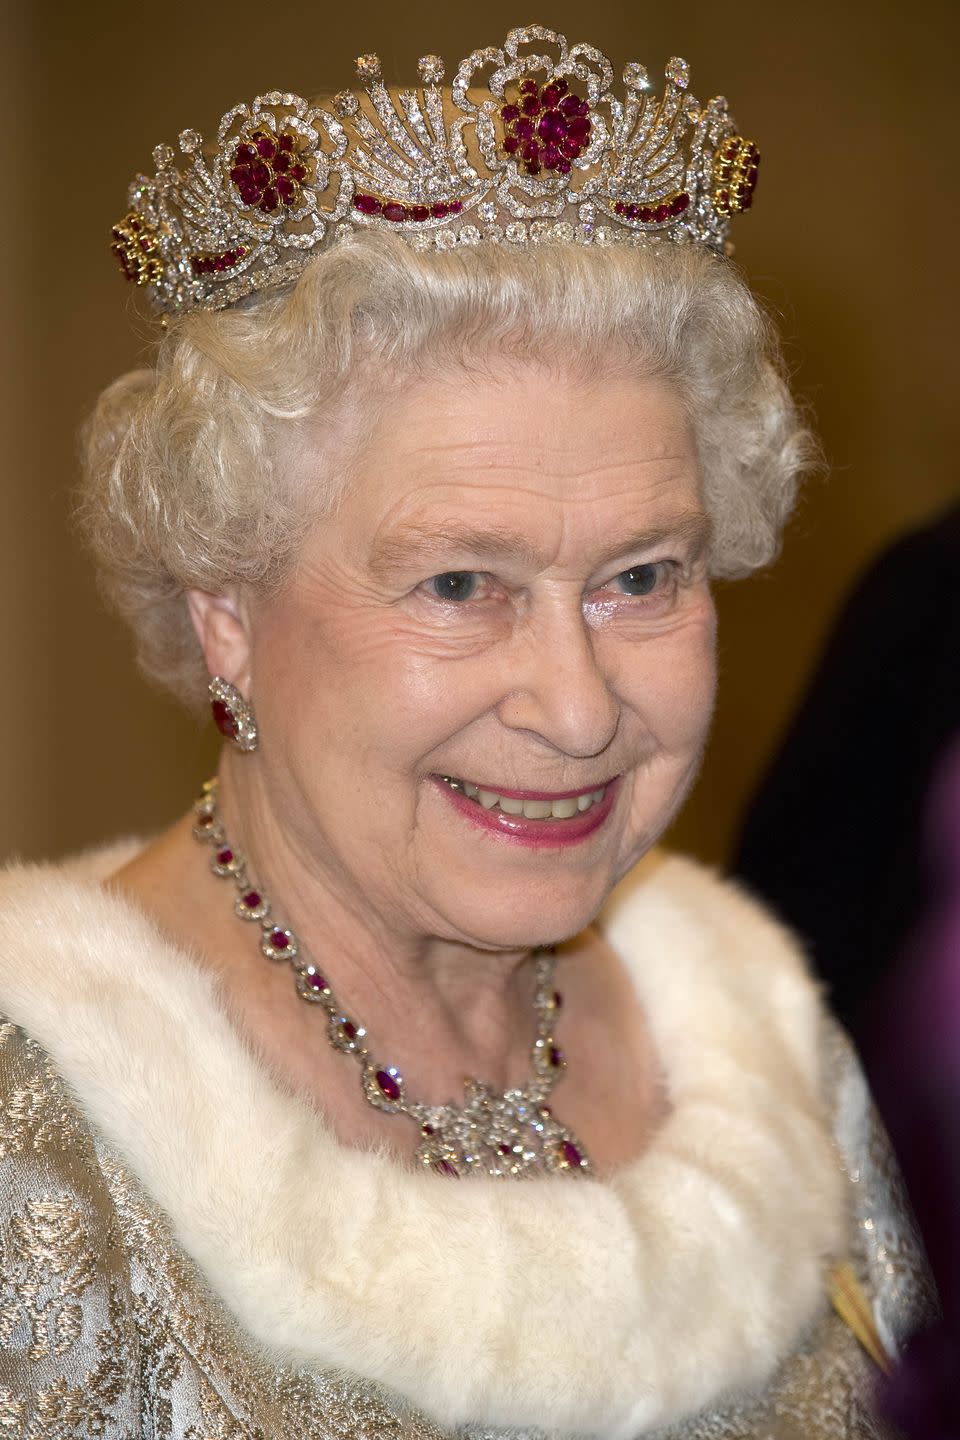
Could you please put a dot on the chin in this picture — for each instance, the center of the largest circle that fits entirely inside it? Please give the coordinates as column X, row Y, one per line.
column 529, row 912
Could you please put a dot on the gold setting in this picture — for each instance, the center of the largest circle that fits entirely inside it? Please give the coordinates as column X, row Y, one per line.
column 735, row 175
column 135, row 245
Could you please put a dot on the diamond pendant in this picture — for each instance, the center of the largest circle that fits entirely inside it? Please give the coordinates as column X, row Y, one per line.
column 513, row 1133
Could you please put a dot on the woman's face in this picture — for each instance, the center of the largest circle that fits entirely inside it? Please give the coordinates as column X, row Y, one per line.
column 512, row 595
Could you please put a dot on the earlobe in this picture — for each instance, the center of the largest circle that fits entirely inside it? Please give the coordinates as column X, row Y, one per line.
column 221, row 629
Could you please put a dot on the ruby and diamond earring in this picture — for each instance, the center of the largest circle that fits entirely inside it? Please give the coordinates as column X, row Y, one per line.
column 232, row 715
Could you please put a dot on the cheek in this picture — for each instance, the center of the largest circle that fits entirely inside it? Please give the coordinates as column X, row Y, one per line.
column 668, row 682
column 360, row 678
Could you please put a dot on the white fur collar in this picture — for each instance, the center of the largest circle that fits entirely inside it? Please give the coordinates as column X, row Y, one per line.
column 607, row 1308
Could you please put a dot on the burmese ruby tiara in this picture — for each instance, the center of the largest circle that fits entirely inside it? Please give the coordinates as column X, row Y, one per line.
column 523, row 146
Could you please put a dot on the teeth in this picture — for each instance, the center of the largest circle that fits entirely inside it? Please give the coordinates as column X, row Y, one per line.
column 530, row 809
column 563, row 809
column 536, row 809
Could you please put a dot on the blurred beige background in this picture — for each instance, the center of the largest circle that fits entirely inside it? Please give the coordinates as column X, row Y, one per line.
column 851, row 242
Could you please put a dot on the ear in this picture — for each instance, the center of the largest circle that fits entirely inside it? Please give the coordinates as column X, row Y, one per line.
column 222, row 629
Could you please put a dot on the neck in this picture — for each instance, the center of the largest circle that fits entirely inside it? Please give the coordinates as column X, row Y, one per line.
column 469, row 1003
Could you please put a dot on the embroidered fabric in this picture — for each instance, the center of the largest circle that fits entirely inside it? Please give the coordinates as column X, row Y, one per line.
column 107, row 1329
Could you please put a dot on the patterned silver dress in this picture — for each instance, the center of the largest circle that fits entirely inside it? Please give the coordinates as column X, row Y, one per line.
column 107, row 1328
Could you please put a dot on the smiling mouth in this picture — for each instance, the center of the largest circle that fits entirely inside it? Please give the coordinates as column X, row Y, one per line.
column 542, row 808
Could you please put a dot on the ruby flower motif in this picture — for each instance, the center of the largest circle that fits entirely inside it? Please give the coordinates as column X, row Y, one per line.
column 546, row 127
column 135, row 244
column 267, row 171
column 735, row 172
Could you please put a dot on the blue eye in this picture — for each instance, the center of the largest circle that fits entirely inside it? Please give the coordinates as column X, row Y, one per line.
column 639, row 579
column 455, row 585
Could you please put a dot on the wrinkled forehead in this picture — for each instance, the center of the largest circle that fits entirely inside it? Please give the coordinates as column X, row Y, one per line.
column 532, row 454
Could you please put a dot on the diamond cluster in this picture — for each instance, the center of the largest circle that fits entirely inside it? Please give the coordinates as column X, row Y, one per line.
column 530, row 143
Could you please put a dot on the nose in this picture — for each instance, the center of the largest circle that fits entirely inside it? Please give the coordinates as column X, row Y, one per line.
column 555, row 687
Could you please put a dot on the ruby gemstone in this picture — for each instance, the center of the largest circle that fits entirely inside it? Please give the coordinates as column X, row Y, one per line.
column 387, row 1085
column 250, row 193
column 455, row 207
column 281, row 163
column 252, row 899
column 394, row 211
column 511, row 144
column 285, row 188
column 528, row 87
column 571, row 1154
column 663, row 212
column 525, row 129
column 279, row 939
column 420, row 212
column 315, row 981
column 286, row 142
column 571, row 148
column 298, row 171
column 550, row 95
column 551, row 157
column 578, row 128
column 204, row 821
column 366, row 204
column 569, row 105
column 225, row 856
column 556, row 1056
column 563, row 166
column 557, row 1000
column 349, row 1029
column 509, row 113
column 224, row 718
column 505, row 1149
column 270, row 200
column 531, row 105
column 244, row 154
column 552, row 125
column 440, row 210
column 266, row 147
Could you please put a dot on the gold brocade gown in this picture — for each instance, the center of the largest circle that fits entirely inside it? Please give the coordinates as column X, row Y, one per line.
column 109, row 1329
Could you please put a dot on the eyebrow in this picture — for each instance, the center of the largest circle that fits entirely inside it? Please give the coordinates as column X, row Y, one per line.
column 412, row 544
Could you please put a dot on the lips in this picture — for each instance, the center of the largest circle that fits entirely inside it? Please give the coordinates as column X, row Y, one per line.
column 514, row 826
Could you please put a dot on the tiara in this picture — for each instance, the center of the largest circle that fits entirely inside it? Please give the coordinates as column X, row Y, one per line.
column 523, row 147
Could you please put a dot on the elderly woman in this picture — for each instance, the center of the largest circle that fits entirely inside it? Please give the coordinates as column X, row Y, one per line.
column 392, row 1090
